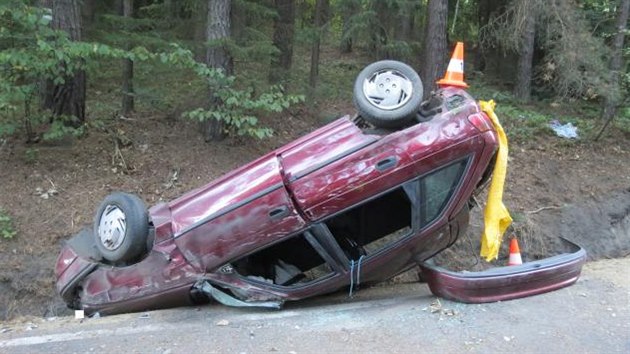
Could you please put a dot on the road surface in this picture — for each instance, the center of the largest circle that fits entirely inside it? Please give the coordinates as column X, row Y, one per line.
column 591, row 316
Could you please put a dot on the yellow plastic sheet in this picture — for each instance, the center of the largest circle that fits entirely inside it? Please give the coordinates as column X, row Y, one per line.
column 496, row 216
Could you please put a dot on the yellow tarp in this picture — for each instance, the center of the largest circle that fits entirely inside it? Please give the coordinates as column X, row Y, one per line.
column 496, row 216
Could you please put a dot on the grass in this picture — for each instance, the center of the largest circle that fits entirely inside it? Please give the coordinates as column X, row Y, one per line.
column 525, row 122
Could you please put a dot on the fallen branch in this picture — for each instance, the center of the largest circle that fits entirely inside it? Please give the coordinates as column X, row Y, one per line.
column 117, row 155
column 543, row 208
column 127, row 119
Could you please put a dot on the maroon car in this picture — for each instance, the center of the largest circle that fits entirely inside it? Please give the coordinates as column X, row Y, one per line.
column 356, row 201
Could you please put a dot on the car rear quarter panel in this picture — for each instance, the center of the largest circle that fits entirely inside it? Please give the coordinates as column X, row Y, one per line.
column 417, row 150
column 70, row 269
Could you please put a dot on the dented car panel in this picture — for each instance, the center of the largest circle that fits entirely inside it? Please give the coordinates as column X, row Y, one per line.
column 307, row 202
column 339, row 207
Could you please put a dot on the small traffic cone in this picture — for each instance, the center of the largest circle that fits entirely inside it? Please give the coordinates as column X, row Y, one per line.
column 455, row 71
column 515, row 253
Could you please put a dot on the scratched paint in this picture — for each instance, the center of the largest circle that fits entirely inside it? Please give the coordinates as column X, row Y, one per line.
column 330, row 170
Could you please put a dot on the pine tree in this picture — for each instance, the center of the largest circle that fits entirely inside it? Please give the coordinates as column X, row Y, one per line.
column 435, row 51
column 217, row 56
column 67, row 100
column 284, row 30
column 611, row 101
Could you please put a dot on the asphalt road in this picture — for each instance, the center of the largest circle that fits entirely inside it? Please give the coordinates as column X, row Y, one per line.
column 591, row 316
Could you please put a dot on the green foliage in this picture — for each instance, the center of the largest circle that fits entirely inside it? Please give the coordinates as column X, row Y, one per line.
column 465, row 26
column 378, row 26
column 30, row 52
column 574, row 63
column 7, row 230
column 239, row 109
column 528, row 122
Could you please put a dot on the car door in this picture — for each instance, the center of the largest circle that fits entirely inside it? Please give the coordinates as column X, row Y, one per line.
column 393, row 230
column 243, row 211
column 295, row 267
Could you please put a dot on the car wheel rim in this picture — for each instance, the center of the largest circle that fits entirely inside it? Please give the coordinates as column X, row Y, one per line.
column 112, row 227
column 388, row 89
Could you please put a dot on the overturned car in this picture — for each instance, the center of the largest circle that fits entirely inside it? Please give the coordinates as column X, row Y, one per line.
column 357, row 201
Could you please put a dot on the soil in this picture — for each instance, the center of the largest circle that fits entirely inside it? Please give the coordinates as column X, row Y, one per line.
column 576, row 190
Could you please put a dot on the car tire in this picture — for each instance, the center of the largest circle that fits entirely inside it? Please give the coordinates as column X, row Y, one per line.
column 121, row 228
column 388, row 93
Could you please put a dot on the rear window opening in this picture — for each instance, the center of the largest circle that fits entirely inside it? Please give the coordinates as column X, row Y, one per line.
column 288, row 263
column 372, row 226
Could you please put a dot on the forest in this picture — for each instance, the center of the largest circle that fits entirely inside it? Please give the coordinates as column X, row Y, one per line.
column 228, row 63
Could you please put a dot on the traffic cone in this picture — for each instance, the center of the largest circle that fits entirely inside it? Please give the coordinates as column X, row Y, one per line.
column 515, row 253
column 455, row 71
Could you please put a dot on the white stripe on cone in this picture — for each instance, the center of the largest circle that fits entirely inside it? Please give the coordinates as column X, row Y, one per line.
column 456, row 66
column 515, row 259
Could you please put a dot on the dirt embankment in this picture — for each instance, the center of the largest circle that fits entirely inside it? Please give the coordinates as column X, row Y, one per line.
column 578, row 191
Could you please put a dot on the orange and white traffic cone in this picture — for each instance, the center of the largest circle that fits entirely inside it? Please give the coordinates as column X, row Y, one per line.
column 455, row 71
column 515, row 253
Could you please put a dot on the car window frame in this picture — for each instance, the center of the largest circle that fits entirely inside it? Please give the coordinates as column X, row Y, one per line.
column 410, row 186
column 313, row 241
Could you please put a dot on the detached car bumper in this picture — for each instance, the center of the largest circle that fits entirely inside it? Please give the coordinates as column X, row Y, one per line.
column 506, row 283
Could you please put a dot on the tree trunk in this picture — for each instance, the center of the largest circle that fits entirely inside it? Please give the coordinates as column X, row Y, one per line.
column 522, row 88
column 350, row 8
column 318, row 22
column 217, row 56
column 68, row 99
column 88, row 12
column 403, row 30
column 171, row 10
column 127, row 72
column 612, row 101
column 379, row 35
column 284, row 29
column 435, row 51
column 201, row 18
column 483, row 16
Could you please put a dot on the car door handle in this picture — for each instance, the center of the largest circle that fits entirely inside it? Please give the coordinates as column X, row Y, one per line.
column 279, row 212
column 387, row 163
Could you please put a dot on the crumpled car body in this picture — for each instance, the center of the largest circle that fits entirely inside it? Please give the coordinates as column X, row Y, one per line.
column 339, row 207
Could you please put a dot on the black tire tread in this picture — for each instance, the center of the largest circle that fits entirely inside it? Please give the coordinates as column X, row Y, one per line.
column 388, row 119
column 137, row 217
